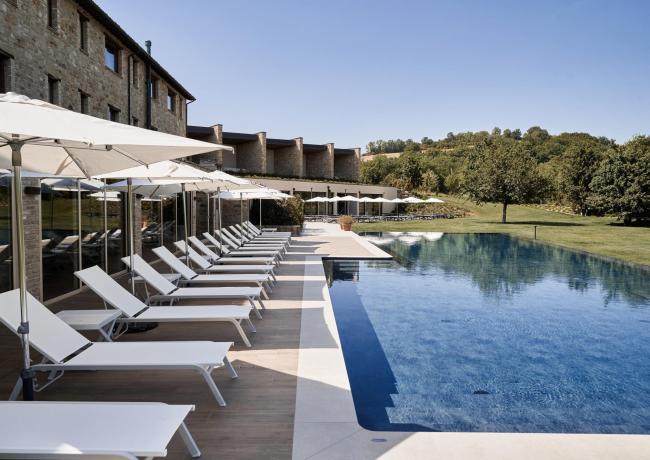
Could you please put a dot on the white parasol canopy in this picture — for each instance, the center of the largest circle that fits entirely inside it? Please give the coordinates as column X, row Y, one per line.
column 58, row 141
column 49, row 139
column 433, row 200
column 413, row 200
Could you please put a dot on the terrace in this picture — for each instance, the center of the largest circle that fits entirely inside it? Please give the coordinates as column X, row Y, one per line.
column 293, row 398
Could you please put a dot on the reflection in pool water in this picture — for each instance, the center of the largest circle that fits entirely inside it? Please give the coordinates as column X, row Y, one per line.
column 490, row 333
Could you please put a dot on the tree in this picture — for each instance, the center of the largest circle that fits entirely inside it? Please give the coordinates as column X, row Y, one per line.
column 578, row 168
column 502, row 171
column 376, row 170
column 410, row 170
column 622, row 182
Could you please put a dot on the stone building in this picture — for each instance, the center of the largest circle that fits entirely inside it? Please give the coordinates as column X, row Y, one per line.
column 72, row 54
column 290, row 158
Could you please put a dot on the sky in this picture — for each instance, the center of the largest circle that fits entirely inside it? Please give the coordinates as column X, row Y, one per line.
column 352, row 71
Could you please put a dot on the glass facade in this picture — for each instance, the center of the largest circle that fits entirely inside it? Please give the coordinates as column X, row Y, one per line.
column 6, row 266
column 151, row 226
column 76, row 235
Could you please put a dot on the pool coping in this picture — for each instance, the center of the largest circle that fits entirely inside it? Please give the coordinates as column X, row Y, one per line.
column 326, row 426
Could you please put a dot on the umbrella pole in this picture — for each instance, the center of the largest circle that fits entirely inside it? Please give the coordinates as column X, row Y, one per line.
column 27, row 374
column 241, row 218
column 260, row 215
column 129, row 205
column 79, row 243
column 162, row 221
column 176, row 217
column 219, row 221
column 105, row 228
column 208, row 211
column 187, row 248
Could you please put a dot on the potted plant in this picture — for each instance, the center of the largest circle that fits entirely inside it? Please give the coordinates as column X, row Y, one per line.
column 345, row 222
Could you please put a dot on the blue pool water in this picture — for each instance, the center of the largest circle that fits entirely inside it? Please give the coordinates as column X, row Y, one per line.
column 490, row 333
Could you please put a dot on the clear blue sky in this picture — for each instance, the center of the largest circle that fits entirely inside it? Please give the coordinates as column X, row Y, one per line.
column 353, row 71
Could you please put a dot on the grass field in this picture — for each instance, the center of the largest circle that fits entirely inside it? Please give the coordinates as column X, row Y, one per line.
column 598, row 235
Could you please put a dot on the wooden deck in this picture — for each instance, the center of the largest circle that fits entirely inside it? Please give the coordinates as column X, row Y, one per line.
column 258, row 420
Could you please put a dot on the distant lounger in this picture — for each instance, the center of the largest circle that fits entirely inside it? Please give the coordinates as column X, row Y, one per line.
column 240, row 258
column 203, row 266
column 135, row 311
column 64, row 349
column 190, row 277
column 94, row 430
column 168, row 292
column 244, row 242
column 238, row 252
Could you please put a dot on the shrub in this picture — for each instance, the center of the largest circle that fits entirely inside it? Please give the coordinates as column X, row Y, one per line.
column 286, row 212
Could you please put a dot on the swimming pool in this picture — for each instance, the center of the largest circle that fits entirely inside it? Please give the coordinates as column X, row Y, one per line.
column 495, row 334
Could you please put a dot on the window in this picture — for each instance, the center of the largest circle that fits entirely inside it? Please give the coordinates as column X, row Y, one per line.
column 113, row 114
column 171, row 101
column 53, row 85
column 135, row 121
column 5, row 73
column 83, row 32
column 112, row 55
column 154, row 87
column 84, row 102
column 135, row 74
column 52, row 14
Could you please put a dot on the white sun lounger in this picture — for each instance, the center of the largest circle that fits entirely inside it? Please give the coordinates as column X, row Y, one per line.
column 239, row 252
column 248, row 257
column 64, row 349
column 190, row 277
column 248, row 233
column 135, row 311
column 236, row 237
column 206, row 267
column 277, row 250
column 93, row 430
column 266, row 232
column 168, row 292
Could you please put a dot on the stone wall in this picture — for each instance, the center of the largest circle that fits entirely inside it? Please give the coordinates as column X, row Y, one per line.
column 289, row 160
column 346, row 166
column 230, row 212
column 32, row 225
column 320, row 164
column 37, row 50
column 251, row 156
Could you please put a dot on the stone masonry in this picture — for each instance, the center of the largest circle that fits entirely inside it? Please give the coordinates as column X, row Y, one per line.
column 288, row 161
column 321, row 163
column 251, row 156
column 41, row 58
column 346, row 165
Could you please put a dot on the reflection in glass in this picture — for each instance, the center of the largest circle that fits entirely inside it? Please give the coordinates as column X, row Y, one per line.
column 150, row 227
column 60, row 234
column 169, row 222
column 5, row 234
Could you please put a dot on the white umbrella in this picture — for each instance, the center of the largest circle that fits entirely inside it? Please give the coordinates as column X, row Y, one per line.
column 165, row 178
column 46, row 138
column 253, row 192
column 381, row 200
column 413, row 200
column 318, row 200
column 433, row 200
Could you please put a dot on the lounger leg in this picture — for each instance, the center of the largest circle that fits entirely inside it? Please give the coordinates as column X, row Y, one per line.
column 241, row 333
column 259, row 299
column 17, row 389
column 255, row 309
column 189, row 441
column 231, row 370
column 266, row 296
column 213, row 387
column 251, row 325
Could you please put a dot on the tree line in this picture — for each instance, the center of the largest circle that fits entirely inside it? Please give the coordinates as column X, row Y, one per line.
column 592, row 175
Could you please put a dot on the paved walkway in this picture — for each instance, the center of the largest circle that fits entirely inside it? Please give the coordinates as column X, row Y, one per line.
column 258, row 420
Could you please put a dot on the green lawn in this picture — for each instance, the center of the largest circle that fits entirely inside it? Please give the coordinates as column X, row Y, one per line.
column 598, row 235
